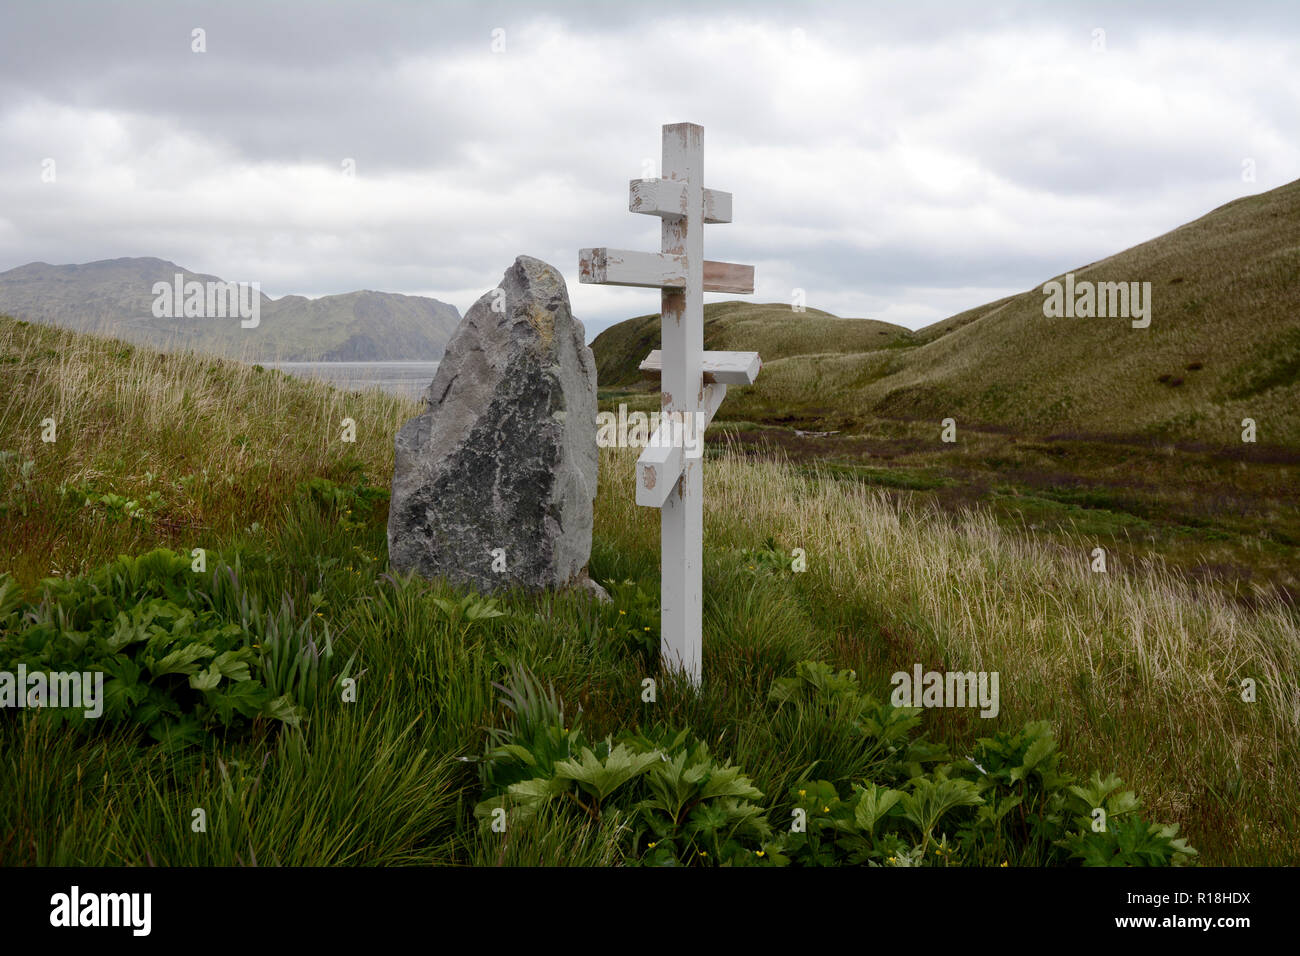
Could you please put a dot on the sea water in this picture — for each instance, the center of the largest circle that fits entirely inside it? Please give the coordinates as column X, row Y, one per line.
column 400, row 378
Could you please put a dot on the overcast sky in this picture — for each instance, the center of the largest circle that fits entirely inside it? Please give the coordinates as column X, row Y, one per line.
column 900, row 161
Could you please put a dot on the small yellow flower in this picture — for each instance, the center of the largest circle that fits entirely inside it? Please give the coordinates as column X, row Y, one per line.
column 760, row 853
column 703, row 853
column 651, row 846
column 645, row 628
column 893, row 859
column 622, row 612
column 803, row 793
column 1003, row 863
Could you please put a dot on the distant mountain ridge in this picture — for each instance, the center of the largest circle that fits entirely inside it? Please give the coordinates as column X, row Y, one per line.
column 116, row 297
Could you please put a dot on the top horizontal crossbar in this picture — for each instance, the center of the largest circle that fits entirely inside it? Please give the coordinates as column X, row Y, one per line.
column 667, row 197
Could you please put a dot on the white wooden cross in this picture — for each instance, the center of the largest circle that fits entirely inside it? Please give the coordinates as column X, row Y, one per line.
column 693, row 381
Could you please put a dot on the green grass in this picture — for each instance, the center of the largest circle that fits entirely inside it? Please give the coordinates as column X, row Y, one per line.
column 1136, row 672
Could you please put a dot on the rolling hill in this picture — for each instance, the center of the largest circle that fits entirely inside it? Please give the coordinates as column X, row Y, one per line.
column 1223, row 345
column 115, row 297
column 770, row 329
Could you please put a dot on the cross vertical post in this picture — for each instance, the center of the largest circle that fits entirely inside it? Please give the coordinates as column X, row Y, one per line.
column 681, row 521
column 693, row 382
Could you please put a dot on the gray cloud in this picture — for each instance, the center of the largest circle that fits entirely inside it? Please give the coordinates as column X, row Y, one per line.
column 897, row 161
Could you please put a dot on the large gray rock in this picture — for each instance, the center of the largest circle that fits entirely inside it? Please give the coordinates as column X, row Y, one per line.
column 504, row 456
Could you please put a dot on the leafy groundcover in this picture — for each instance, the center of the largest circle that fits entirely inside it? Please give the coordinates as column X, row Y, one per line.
column 184, row 654
column 907, row 802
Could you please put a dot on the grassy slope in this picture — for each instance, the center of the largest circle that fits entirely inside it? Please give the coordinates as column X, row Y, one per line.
column 770, row 329
column 1224, row 293
column 221, row 445
column 1138, row 673
column 1225, row 335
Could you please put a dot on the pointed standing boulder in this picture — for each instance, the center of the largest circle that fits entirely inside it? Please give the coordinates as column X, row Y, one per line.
column 493, row 483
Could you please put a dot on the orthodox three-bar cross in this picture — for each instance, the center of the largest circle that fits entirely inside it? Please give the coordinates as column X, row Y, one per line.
column 693, row 381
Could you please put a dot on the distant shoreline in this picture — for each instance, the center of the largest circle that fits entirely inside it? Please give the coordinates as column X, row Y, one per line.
column 417, row 362
column 409, row 378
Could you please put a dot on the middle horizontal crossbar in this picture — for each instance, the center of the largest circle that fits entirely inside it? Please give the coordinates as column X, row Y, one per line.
column 658, row 270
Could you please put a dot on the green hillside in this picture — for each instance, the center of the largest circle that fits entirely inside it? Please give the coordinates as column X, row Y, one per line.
column 770, row 329
column 1223, row 345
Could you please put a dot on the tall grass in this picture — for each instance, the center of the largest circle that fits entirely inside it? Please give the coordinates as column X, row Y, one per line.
column 1139, row 671
column 220, row 444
